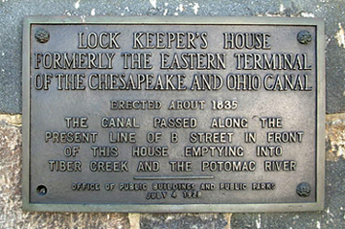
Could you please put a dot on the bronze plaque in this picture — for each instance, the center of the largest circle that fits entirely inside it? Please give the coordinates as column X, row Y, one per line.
column 165, row 114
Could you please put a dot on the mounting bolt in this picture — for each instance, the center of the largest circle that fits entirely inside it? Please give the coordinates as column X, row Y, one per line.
column 303, row 189
column 304, row 37
column 42, row 35
column 41, row 190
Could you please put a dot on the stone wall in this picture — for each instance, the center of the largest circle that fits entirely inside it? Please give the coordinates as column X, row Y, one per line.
column 11, row 15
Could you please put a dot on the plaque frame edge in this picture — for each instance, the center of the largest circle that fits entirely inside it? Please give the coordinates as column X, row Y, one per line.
column 176, row 208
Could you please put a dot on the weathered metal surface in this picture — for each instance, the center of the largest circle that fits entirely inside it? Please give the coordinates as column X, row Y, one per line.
column 172, row 115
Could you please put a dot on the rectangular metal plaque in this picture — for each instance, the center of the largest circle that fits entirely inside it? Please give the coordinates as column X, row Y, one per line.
column 167, row 114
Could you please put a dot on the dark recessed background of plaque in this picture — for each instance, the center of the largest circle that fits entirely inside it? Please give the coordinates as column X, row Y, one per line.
column 49, row 108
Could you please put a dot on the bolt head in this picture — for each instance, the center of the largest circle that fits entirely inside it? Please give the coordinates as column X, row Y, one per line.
column 42, row 36
column 304, row 37
column 303, row 189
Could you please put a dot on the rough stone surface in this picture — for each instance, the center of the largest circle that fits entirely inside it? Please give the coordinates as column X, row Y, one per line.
column 12, row 13
column 182, row 221
column 335, row 137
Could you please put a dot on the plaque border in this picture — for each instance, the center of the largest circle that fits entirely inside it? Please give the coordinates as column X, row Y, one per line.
column 174, row 208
